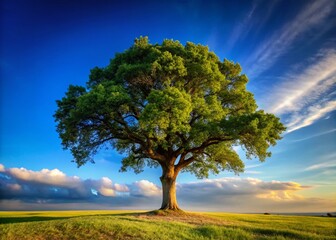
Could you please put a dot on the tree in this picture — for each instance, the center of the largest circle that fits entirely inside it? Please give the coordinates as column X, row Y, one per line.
column 168, row 105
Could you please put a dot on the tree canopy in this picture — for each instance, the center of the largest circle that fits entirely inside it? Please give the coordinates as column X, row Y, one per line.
column 167, row 103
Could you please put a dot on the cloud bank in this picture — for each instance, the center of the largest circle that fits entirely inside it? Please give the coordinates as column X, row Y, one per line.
column 54, row 189
column 22, row 189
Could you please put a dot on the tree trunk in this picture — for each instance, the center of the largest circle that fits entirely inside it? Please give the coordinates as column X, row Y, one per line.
column 168, row 180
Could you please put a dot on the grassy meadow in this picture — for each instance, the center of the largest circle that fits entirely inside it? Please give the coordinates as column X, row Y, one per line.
column 141, row 225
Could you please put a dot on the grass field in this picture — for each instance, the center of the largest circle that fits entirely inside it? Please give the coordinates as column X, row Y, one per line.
column 140, row 225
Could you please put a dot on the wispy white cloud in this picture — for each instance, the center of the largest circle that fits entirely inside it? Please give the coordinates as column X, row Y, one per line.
column 321, row 173
column 308, row 86
column 321, row 166
column 253, row 165
column 315, row 135
column 251, row 21
column 326, row 161
column 307, row 96
column 312, row 16
column 252, row 172
column 310, row 115
column 243, row 28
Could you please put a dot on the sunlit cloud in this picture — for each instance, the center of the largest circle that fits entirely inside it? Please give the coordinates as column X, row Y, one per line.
column 145, row 188
column 312, row 16
column 280, row 196
column 54, row 183
column 105, row 187
column 45, row 176
column 249, row 195
column 238, row 186
column 2, row 168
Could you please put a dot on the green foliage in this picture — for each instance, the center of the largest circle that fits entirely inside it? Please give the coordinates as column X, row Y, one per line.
column 214, row 159
column 166, row 113
column 167, row 104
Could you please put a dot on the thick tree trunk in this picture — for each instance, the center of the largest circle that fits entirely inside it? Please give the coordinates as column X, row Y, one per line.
column 168, row 180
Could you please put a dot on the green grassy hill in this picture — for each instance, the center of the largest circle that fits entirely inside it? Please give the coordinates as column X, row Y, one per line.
column 140, row 225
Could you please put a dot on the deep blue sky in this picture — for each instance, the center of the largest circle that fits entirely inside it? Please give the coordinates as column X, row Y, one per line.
column 287, row 49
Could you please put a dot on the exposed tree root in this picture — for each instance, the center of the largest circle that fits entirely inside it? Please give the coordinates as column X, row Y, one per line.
column 181, row 216
column 167, row 212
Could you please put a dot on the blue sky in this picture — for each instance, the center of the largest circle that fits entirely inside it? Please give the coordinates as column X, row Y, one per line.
column 286, row 48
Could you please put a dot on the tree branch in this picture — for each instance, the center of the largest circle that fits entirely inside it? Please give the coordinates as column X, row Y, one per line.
column 207, row 143
column 184, row 163
column 151, row 153
column 130, row 133
column 196, row 150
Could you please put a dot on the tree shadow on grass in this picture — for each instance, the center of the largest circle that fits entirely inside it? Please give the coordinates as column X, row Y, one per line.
column 34, row 218
column 279, row 232
column 6, row 220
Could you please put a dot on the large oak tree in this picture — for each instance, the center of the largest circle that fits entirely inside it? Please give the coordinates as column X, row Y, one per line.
column 168, row 105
